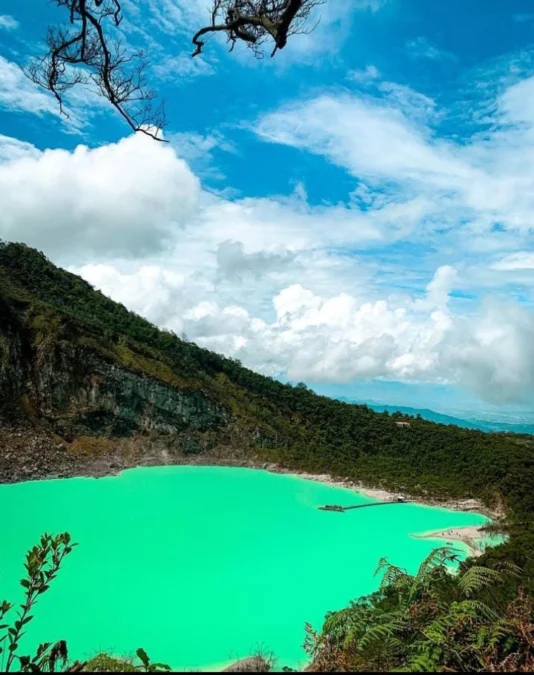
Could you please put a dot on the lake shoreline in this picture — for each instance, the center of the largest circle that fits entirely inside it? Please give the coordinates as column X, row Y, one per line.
column 470, row 535
column 114, row 466
column 104, row 469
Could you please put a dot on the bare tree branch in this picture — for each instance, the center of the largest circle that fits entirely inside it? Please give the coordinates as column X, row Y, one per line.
column 255, row 21
column 87, row 50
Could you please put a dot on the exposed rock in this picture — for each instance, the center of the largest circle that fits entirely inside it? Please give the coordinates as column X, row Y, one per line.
column 252, row 664
column 81, row 413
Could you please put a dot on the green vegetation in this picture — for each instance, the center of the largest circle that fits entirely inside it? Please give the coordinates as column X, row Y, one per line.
column 434, row 621
column 43, row 562
column 47, row 307
column 104, row 663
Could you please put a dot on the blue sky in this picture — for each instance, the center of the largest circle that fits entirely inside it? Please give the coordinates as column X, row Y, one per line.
column 357, row 211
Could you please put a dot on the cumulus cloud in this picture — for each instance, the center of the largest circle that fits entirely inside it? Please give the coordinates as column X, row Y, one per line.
column 124, row 199
column 371, row 287
column 492, row 354
column 341, row 338
column 234, row 264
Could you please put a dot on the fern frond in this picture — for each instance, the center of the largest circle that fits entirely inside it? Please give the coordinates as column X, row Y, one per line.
column 477, row 578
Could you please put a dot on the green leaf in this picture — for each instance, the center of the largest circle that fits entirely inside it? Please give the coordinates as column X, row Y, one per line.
column 143, row 656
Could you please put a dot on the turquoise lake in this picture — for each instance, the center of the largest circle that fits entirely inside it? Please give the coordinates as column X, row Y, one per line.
column 201, row 565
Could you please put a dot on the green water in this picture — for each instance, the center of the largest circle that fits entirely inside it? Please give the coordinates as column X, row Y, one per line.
column 199, row 565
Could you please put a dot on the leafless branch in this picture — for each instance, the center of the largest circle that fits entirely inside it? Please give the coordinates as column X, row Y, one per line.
column 86, row 50
column 255, row 21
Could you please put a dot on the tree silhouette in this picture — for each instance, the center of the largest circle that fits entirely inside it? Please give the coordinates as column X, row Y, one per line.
column 88, row 49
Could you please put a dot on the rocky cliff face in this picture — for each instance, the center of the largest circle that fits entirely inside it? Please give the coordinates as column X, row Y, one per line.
column 81, row 393
column 14, row 359
column 66, row 409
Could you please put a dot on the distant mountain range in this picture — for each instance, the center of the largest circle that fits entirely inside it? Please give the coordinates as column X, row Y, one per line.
column 441, row 418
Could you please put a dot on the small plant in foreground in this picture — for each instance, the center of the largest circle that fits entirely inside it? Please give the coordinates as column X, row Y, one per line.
column 149, row 667
column 43, row 562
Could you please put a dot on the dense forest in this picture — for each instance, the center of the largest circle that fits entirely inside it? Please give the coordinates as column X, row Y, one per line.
column 299, row 429
column 432, row 621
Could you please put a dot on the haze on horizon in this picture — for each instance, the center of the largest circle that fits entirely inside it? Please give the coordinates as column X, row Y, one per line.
column 356, row 213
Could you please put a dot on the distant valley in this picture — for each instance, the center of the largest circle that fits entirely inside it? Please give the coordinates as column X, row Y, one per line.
column 442, row 418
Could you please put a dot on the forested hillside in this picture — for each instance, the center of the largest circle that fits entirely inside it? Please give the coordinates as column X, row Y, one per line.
column 98, row 380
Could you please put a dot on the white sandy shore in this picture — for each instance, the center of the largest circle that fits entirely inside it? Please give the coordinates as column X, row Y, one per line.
column 470, row 535
column 469, row 505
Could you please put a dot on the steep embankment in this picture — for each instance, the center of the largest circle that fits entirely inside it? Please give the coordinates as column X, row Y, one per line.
column 86, row 385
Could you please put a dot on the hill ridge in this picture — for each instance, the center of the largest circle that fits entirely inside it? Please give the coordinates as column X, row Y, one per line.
column 106, row 384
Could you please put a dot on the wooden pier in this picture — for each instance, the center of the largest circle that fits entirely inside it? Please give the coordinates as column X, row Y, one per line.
column 342, row 509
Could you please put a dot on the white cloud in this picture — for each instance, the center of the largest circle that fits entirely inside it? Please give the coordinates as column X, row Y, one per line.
column 328, row 25
column 234, row 264
column 421, row 48
column 17, row 93
column 12, row 148
column 198, row 150
column 389, row 142
column 372, row 140
column 367, row 288
column 182, row 67
column 327, row 28
column 492, row 353
column 439, row 288
column 522, row 260
column 175, row 17
column 122, row 199
column 7, row 22
column 368, row 74
column 340, row 338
